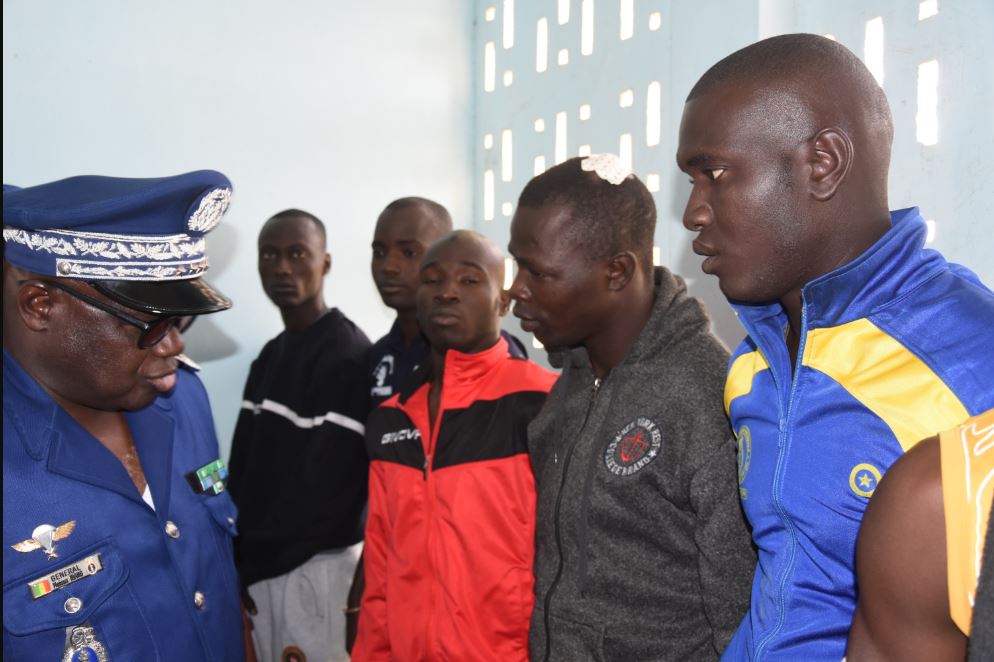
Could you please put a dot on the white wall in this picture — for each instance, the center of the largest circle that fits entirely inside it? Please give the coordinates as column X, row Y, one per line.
column 333, row 107
column 339, row 107
column 948, row 180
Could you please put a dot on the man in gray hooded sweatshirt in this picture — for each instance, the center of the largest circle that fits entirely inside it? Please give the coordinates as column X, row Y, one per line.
column 642, row 549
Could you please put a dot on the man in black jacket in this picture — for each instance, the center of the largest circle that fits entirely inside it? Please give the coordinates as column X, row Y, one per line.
column 298, row 463
column 642, row 549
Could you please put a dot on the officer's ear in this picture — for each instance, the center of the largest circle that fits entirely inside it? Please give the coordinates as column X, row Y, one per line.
column 34, row 304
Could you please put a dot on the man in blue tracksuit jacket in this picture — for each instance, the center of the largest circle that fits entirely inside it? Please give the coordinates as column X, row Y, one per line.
column 860, row 341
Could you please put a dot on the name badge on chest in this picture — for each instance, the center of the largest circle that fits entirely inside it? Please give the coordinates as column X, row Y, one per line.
column 65, row 576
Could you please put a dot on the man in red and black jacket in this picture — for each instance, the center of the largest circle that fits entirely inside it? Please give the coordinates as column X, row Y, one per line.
column 450, row 534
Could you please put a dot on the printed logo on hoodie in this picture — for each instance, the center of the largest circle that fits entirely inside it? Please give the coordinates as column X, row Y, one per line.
column 635, row 446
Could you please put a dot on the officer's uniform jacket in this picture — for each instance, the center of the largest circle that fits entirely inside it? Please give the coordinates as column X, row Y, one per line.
column 895, row 347
column 135, row 583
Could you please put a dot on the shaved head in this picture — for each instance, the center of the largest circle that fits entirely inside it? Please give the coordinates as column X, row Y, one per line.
column 787, row 143
column 805, row 82
column 461, row 297
column 472, row 247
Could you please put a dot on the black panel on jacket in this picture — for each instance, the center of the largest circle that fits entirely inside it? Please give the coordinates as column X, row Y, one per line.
column 392, row 437
column 485, row 431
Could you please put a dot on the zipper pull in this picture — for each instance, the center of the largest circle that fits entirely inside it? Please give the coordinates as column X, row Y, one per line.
column 424, row 468
column 597, row 384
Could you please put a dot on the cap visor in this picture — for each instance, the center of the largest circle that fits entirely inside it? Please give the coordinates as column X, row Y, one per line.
column 169, row 297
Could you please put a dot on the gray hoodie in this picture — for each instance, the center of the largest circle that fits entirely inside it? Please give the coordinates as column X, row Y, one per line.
column 642, row 551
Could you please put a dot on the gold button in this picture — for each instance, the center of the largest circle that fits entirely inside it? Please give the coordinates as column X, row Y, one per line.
column 198, row 600
column 73, row 605
column 172, row 530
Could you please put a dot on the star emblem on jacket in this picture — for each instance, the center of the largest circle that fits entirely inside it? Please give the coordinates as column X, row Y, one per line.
column 44, row 537
column 863, row 479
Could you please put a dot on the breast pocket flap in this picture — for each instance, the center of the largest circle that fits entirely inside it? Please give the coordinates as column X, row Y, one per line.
column 224, row 512
column 63, row 592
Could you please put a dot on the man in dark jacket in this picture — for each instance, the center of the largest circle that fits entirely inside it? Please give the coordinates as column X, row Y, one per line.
column 642, row 548
column 298, row 466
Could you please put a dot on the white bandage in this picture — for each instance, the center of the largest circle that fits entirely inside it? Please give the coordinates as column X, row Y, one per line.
column 607, row 166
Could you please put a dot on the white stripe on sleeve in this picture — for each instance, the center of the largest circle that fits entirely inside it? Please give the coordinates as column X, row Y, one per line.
column 304, row 422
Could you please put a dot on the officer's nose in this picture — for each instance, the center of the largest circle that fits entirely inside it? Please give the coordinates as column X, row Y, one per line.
column 171, row 344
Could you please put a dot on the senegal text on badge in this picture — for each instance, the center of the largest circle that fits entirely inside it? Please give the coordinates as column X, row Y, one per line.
column 65, row 576
column 635, row 446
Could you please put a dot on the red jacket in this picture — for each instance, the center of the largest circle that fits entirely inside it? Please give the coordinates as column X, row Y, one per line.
column 451, row 531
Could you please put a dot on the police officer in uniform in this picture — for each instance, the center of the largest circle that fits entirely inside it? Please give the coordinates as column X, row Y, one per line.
column 116, row 526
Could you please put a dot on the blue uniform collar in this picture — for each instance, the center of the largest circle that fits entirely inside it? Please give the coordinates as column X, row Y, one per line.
column 28, row 407
column 46, row 429
column 895, row 264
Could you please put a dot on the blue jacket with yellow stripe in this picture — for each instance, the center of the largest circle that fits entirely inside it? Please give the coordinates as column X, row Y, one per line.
column 895, row 347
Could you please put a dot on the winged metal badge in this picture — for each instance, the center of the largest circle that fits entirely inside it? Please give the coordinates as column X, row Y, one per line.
column 44, row 537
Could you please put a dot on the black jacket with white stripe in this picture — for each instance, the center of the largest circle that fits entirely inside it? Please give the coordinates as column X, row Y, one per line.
column 298, row 469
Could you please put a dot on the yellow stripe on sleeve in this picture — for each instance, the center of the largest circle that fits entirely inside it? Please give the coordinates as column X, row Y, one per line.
column 886, row 378
column 741, row 374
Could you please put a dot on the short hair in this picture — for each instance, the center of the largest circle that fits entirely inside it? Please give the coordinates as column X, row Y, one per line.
column 300, row 213
column 438, row 213
column 606, row 218
column 796, row 58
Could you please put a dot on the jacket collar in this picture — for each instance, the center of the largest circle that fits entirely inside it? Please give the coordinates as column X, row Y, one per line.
column 28, row 407
column 460, row 369
column 48, row 431
column 674, row 313
column 895, row 264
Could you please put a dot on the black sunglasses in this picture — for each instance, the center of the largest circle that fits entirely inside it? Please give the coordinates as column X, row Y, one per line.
column 152, row 332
